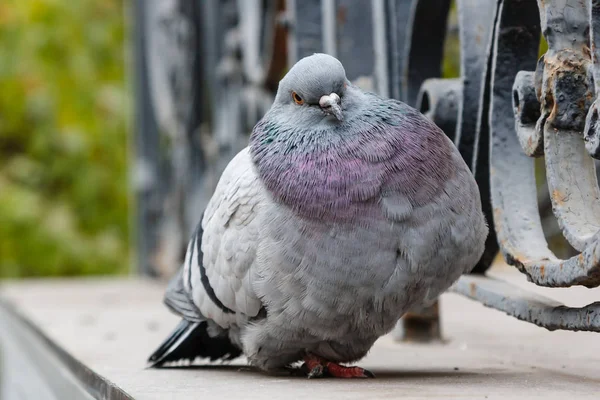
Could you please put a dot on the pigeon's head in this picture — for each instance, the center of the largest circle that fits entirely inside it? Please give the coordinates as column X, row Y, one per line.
column 314, row 89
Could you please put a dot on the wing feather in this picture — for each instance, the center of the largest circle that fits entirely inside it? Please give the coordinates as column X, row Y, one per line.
column 226, row 250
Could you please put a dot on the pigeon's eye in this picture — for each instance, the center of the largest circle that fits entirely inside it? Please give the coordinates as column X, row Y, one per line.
column 297, row 99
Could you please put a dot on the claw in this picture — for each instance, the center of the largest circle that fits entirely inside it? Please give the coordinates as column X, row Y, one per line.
column 316, row 372
column 368, row 374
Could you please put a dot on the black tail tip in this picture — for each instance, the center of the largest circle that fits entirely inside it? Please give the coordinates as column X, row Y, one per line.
column 191, row 340
column 172, row 342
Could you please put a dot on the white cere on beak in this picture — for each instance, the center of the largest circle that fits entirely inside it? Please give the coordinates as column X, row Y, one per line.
column 329, row 100
column 330, row 104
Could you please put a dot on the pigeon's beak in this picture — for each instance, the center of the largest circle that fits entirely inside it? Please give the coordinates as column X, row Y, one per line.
column 331, row 104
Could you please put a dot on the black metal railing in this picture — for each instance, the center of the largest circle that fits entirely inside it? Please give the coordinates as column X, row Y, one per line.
column 207, row 71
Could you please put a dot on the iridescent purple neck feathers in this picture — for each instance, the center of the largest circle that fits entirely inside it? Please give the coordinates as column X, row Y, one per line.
column 337, row 172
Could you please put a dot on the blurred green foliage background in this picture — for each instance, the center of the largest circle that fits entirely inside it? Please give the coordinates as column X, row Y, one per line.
column 63, row 145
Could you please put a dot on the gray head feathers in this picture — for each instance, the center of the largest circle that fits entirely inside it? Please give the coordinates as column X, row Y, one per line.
column 312, row 77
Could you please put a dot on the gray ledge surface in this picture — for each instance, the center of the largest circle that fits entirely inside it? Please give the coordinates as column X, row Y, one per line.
column 112, row 325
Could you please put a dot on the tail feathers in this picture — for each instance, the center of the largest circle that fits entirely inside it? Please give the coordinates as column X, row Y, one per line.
column 191, row 340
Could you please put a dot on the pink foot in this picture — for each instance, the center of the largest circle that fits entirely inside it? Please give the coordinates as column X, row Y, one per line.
column 319, row 367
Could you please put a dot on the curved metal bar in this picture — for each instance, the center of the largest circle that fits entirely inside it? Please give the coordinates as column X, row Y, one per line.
column 526, row 108
column 513, row 187
column 398, row 17
column 438, row 100
column 425, row 45
column 514, row 198
column 472, row 130
column 527, row 306
column 474, row 18
column 592, row 129
column 566, row 94
column 573, row 186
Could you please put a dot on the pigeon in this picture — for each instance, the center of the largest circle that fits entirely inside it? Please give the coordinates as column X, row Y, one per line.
column 344, row 211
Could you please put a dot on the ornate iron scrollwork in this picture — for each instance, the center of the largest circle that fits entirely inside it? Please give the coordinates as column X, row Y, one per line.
column 534, row 114
column 563, row 90
column 506, row 109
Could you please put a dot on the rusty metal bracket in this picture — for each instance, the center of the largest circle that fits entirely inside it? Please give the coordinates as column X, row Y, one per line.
column 526, row 108
column 561, row 83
